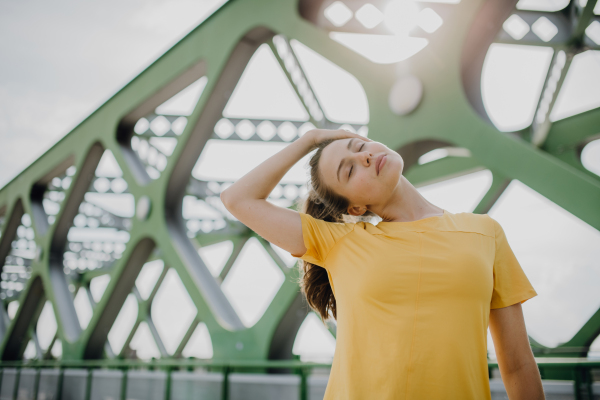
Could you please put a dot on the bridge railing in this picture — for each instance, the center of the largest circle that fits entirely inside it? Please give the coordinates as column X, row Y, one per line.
column 24, row 380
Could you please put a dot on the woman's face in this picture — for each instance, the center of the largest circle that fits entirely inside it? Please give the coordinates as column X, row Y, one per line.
column 366, row 173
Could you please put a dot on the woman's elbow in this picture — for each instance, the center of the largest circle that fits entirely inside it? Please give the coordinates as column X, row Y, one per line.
column 227, row 200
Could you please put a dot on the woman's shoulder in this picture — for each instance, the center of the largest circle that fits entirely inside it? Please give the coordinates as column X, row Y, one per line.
column 472, row 222
column 338, row 228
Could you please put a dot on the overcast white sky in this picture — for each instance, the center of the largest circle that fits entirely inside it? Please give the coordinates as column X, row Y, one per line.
column 62, row 60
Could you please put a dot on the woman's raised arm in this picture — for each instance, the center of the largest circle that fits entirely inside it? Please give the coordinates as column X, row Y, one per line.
column 246, row 199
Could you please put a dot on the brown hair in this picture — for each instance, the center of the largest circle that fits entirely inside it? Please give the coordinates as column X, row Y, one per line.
column 324, row 204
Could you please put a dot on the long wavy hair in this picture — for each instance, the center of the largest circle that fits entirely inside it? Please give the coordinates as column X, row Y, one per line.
column 324, row 204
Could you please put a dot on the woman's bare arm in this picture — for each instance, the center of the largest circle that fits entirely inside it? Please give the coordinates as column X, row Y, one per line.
column 246, row 199
column 518, row 368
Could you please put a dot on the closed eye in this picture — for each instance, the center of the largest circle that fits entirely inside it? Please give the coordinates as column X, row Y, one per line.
column 350, row 173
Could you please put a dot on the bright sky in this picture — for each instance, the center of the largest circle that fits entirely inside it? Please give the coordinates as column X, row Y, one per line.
column 62, row 61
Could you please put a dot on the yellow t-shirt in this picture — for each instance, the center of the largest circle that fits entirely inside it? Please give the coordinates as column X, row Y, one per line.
column 413, row 303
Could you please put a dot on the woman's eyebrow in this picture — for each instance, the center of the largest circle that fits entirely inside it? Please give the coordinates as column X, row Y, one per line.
column 343, row 161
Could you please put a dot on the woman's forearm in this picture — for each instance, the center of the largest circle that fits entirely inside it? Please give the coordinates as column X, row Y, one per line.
column 260, row 182
column 524, row 383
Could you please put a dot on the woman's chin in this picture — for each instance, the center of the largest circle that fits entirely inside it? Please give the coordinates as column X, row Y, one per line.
column 397, row 166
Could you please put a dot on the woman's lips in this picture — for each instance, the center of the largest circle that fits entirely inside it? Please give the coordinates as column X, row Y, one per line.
column 380, row 162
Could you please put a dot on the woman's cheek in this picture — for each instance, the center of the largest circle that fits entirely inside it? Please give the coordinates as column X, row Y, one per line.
column 364, row 187
column 361, row 183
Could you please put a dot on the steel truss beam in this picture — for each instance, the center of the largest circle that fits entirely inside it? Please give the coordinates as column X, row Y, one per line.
column 452, row 114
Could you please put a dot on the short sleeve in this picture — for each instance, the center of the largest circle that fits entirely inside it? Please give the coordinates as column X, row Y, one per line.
column 511, row 285
column 320, row 237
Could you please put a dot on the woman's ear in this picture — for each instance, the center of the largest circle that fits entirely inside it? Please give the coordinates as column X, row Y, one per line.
column 356, row 210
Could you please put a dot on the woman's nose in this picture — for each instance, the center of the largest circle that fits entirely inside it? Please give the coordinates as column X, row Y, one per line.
column 366, row 158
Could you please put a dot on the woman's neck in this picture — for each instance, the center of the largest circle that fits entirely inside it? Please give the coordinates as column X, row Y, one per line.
column 407, row 204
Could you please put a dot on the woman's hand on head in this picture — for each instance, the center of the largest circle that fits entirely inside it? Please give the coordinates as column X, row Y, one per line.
column 317, row 136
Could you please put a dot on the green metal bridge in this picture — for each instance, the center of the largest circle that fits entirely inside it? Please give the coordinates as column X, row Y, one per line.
column 49, row 259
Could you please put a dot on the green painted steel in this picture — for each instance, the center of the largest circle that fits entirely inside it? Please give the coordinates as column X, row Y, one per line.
column 451, row 114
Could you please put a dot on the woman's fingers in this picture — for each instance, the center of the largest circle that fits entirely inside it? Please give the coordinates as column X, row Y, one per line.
column 321, row 135
column 356, row 135
column 347, row 134
column 318, row 136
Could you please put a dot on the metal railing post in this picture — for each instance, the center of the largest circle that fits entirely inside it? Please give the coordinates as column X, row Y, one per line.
column 226, row 371
column 303, row 384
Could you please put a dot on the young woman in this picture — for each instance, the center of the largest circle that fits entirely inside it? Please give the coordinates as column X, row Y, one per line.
column 412, row 295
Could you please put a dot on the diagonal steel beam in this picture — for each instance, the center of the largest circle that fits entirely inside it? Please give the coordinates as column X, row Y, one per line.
column 559, row 66
column 238, row 245
column 581, row 16
column 499, row 185
column 32, row 299
column 285, row 55
column 121, row 284
column 273, row 254
column 186, row 337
